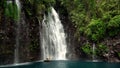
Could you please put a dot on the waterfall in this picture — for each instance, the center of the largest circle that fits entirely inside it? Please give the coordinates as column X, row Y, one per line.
column 17, row 21
column 16, row 53
column 53, row 37
column 93, row 51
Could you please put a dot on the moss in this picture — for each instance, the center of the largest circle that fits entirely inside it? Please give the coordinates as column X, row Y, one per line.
column 12, row 11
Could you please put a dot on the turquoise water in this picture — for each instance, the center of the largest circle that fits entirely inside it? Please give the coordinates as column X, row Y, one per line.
column 65, row 64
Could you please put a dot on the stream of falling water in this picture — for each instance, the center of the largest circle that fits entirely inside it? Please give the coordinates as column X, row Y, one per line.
column 16, row 55
column 16, row 50
column 53, row 40
column 93, row 50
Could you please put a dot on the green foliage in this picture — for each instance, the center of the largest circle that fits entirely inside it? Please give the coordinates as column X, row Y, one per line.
column 87, row 49
column 94, row 14
column 118, row 54
column 106, row 17
column 114, row 26
column 44, row 3
column 50, row 2
column 96, row 30
column 37, row 7
column 12, row 11
column 28, row 7
column 102, row 49
column 114, row 22
column 77, row 15
column 94, row 19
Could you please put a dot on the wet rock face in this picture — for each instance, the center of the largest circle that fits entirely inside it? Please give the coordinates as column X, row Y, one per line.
column 113, row 45
column 29, row 49
column 7, row 38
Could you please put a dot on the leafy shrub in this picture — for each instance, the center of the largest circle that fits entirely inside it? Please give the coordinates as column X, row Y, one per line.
column 87, row 49
column 12, row 11
column 102, row 49
column 106, row 17
column 96, row 30
column 114, row 26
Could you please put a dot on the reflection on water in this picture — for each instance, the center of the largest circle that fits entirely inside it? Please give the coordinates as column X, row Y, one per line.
column 61, row 65
column 66, row 64
column 52, row 64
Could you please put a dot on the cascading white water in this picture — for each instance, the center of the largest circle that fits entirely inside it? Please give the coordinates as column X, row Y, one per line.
column 93, row 55
column 16, row 53
column 18, row 4
column 53, row 37
column 93, row 50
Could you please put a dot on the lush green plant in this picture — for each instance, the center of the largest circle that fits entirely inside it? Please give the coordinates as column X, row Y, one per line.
column 96, row 30
column 97, row 13
column 12, row 11
column 87, row 49
column 114, row 26
column 102, row 49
